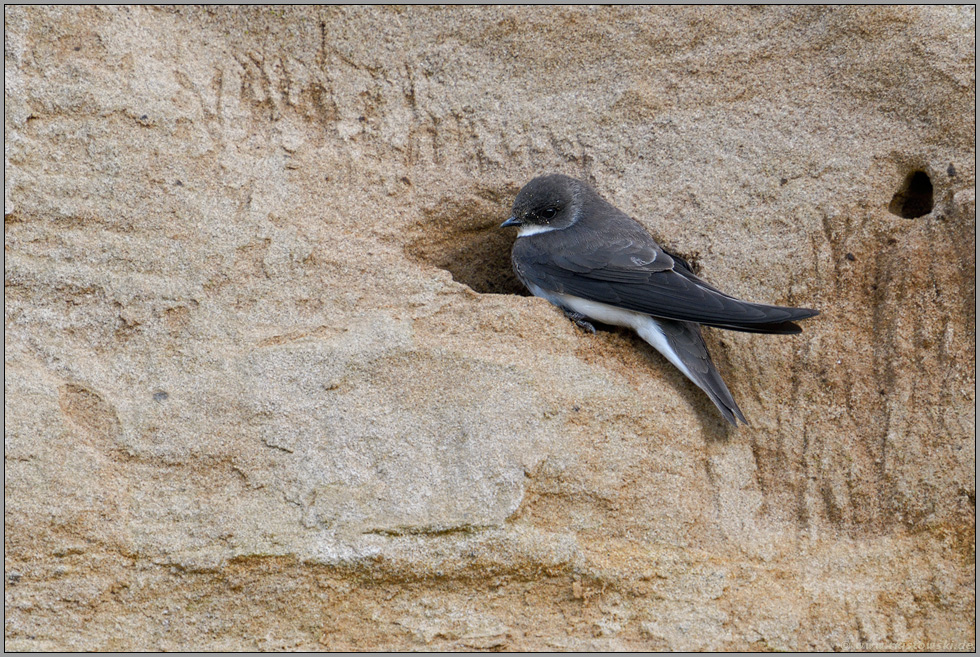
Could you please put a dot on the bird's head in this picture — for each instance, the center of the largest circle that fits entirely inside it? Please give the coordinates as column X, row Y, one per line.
column 547, row 203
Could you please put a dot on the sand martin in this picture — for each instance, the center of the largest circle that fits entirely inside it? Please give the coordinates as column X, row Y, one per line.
column 582, row 254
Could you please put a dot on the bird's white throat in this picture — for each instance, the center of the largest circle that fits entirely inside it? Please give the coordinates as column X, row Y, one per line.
column 525, row 231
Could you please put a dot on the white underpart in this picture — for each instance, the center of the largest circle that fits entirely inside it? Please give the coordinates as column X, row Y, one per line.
column 647, row 327
column 526, row 230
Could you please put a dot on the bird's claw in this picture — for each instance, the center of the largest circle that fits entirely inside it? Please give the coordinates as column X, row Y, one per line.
column 579, row 320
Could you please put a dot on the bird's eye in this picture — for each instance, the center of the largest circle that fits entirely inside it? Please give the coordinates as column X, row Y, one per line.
column 549, row 213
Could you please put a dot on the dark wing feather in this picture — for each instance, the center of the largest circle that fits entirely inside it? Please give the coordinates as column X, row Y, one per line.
column 686, row 340
column 634, row 273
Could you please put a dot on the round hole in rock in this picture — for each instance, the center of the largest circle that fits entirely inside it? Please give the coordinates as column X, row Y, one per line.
column 914, row 199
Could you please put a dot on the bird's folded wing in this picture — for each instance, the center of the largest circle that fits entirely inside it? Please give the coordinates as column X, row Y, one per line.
column 618, row 276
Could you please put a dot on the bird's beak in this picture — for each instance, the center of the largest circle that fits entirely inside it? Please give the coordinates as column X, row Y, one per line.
column 512, row 221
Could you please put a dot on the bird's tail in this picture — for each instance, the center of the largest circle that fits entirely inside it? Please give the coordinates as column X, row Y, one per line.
column 681, row 343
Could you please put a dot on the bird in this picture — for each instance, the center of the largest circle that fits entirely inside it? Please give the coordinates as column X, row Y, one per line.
column 596, row 263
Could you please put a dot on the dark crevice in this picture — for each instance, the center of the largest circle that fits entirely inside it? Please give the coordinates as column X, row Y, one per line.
column 462, row 236
column 914, row 199
column 480, row 260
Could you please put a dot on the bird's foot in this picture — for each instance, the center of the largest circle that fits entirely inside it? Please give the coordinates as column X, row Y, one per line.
column 579, row 320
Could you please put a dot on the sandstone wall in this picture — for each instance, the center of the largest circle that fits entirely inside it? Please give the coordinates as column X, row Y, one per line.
column 270, row 383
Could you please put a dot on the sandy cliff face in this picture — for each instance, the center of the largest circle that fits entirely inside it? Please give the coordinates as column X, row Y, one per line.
column 270, row 383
